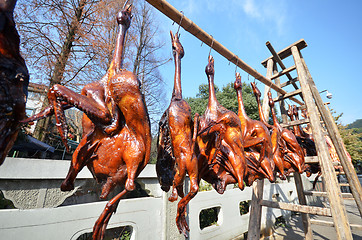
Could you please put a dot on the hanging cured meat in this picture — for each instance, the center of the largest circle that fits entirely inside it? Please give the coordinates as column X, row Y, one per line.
column 256, row 141
column 219, row 148
column 290, row 150
column 304, row 139
column 175, row 146
column 14, row 79
column 116, row 139
column 274, row 133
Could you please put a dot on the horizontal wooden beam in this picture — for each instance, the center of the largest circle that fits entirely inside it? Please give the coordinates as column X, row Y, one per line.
column 286, row 52
column 189, row 26
column 297, row 208
column 324, row 194
column 281, row 73
column 296, row 122
column 284, row 84
column 288, row 95
column 281, row 64
column 311, row 159
column 344, row 184
column 331, row 224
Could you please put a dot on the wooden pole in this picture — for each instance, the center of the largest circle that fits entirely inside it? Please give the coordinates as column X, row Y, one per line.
column 255, row 210
column 303, row 201
column 334, row 193
column 172, row 13
column 269, row 72
column 283, row 111
column 279, row 61
column 337, row 140
column 258, row 186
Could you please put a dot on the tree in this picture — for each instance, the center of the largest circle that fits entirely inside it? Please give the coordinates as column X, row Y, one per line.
column 353, row 143
column 357, row 125
column 53, row 34
column 71, row 42
column 227, row 97
column 352, row 139
column 145, row 45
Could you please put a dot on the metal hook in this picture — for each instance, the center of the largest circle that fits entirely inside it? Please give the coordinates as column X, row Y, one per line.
column 125, row 4
column 236, row 65
column 212, row 43
column 178, row 29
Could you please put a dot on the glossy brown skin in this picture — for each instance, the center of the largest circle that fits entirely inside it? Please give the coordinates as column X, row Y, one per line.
column 293, row 155
column 275, row 135
column 256, row 140
column 219, row 148
column 304, row 139
column 296, row 129
column 175, row 134
column 14, row 79
column 116, row 141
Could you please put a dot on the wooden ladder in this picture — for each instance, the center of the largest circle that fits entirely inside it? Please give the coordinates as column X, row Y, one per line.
column 318, row 114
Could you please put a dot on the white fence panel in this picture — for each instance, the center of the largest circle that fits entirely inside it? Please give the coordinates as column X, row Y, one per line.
column 150, row 218
column 69, row 222
column 230, row 222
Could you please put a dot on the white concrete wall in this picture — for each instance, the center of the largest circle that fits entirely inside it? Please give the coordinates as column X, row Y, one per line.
column 151, row 217
column 143, row 214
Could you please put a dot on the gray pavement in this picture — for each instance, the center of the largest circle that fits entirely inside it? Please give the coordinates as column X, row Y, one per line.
column 294, row 229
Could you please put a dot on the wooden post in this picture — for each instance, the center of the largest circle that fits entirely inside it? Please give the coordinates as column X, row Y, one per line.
column 258, row 186
column 303, row 201
column 283, row 111
column 172, row 13
column 265, row 106
column 335, row 197
column 281, row 64
column 255, row 210
column 337, row 140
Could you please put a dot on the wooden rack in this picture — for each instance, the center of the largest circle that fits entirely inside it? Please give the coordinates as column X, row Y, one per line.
column 315, row 107
column 318, row 114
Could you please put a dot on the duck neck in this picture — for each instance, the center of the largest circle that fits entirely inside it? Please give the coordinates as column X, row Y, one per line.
column 117, row 61
column 241, row 113
column 177, row 91
column 275, row 119
column 212, row 95
column 260, row 109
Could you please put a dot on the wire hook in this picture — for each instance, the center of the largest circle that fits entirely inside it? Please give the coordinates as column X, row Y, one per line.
column 125, row 4
column 212, row 43
column 236, row 65
column 179, row 25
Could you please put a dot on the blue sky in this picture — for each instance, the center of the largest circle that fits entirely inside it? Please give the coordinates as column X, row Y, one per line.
column 332, row 30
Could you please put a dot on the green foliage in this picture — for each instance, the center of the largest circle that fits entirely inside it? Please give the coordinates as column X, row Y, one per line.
column 204, row 186
column 119, row 233
column 356, row 124
column 227, row 97
column 280, row 222
column 5, row 203
column 244, row 207
column 208, row 217
column 153, row 155
column 352, row 139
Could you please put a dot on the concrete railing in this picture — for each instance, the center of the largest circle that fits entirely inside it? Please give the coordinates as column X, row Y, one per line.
column 150, row 217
